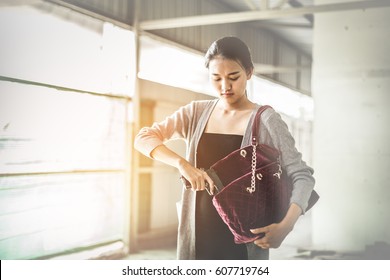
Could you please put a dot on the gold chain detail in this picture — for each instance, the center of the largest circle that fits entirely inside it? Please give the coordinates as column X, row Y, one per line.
column 252, row 188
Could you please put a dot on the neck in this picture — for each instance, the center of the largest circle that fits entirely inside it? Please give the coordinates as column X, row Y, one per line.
column 240, row 105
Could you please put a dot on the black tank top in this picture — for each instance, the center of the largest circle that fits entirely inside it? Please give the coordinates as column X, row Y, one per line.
column 213, row 237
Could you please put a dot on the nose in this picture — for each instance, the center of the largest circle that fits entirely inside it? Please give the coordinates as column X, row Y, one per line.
column 226, row 85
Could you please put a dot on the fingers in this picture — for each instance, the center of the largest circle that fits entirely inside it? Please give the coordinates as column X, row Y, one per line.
column 260, row 230
column 262, row 244
column 273, row 236
column 264, row 241
column 195, row 178
column 211, row 186
column 198, row 179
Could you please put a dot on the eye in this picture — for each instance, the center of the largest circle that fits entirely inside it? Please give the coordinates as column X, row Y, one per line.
column 234, row 78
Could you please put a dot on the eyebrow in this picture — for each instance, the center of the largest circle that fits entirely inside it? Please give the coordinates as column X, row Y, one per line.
column 232, row 73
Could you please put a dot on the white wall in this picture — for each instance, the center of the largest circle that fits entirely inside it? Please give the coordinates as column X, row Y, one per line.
column 351, row 85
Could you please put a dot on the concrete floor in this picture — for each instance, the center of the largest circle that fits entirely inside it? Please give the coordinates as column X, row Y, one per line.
column 170, row 254
column 286, row 252
column 292, row 247
column 297, row 245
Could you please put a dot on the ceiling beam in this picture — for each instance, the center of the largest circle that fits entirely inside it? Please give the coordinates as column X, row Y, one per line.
column 274, row 24
column 270, row 69
column 297, row 4
column 223, row 18
column 9, row 3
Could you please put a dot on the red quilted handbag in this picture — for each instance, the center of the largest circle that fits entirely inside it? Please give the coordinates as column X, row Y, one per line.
column 254, row 192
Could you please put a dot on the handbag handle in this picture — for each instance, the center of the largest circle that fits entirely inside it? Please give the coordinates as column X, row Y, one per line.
column 256, row 124
column 255, row 130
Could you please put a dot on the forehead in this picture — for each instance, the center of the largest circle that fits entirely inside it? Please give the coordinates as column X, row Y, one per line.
column 221, row 65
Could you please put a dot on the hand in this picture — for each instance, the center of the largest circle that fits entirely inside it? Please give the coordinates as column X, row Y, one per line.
column 196, row 177
column 274, row 235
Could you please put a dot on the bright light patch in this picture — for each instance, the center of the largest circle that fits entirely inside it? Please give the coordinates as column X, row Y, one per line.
column 170, row 65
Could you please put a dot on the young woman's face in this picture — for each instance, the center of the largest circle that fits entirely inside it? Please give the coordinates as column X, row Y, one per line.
column 228, row 79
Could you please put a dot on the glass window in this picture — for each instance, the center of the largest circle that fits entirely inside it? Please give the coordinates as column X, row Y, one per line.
column 65, row 83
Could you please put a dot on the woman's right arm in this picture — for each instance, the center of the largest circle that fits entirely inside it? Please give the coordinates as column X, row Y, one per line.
column 150, row 142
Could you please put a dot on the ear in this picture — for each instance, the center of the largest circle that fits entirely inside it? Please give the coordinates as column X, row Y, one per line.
column 249, row 74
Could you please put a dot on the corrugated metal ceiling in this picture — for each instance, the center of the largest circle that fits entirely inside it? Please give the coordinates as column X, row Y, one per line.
column 295, row 30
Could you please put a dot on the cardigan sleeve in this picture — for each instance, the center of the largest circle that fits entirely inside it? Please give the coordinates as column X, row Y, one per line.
column 291, row 160
column 175, row 126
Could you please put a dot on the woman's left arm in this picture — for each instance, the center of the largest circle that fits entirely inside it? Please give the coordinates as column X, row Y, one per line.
column 298, row 171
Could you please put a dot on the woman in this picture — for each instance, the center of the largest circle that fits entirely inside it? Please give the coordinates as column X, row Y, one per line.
column 212, row 130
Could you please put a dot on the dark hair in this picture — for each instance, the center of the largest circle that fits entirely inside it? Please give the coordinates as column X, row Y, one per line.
column 231, row 48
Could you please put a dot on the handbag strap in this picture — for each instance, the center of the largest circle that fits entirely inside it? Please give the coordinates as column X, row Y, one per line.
column 256, row 124
column 255, row 130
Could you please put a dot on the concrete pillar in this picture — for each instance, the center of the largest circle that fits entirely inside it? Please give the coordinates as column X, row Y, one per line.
column 351, row 153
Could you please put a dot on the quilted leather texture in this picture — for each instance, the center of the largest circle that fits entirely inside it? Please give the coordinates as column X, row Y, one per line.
column 242, row 210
